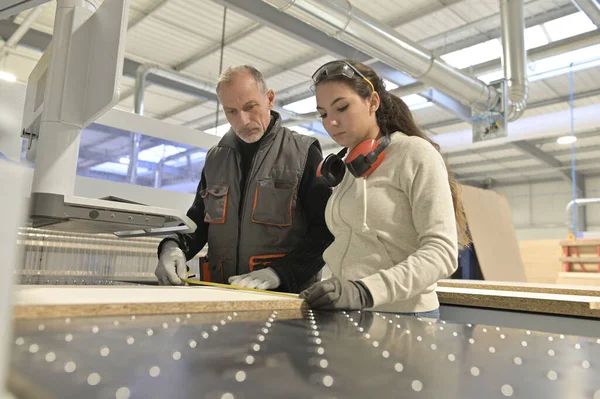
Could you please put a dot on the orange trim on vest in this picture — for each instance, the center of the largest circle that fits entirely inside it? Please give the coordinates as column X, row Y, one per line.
column 260, row 260
column 273, row 224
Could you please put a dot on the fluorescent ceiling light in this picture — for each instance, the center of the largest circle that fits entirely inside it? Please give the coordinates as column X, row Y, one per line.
column 415, row 102
column 473, row 55
column 566, row 140
column 302, row 130
column 220, row 130
column 116, row 168
column 303, row 106
column 156, row 153
column 557, row 65
column 9, row 77
column 535, row 37
column 571, row 25
column 389, row 86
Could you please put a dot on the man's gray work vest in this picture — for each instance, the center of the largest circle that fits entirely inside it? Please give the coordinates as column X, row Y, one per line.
column 272, row 223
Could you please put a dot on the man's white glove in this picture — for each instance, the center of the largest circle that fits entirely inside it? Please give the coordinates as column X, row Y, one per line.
column 263, row 279
column 171, row 268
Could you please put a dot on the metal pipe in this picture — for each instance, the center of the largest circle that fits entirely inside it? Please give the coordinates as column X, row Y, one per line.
column 144, row 71
column 576, row 202
column 514, row 60
column 14, row 39
column 591, row 8
column 339, row 19
column 136, row 139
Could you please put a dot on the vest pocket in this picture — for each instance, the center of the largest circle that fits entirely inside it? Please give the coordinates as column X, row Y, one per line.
column 273, row 203
column 215, row 203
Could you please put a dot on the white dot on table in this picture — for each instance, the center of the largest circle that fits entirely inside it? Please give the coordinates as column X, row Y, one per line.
column 154, row 371
column 41, row 327
column 385, row 354
column 19, row 341
column 67, row 320
column 528, row 332
column 398, row 367
column 518, row 361
column 249, row 359
column 116, row 322
column 215, row 328
column 562, row 336
column 492, row 349
column 176, row 355
column 33, row 348
column 320, row 351
column 204, row 335
column 502, row 336
column 50, row 357
column 433, row 347
column 227, row 396
column 417, row 386
column 95, row 329
column 551, row 352
column 577, row 346
column 552, row 376
column 104, row 351
column 150, row 332
column 475, row 371
column 123, row 393
column 328, row 380
column 451, row 357
column 471, row 341
column 256, row 347
column 192, row 343
column 130, row 340
column 165, row 325
column 375, row 344
column 323, row 363
column 70, row 367
column 69, row 337
column 484, row 330
column 585, row 364
column 94, row 379
column 507, row 390
column 240, row 376
column 524, row 343
column 455, row 334
column 550, row 339
column 419, row 338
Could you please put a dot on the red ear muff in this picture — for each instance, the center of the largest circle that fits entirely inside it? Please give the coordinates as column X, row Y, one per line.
column 331, row 170
column 366, row 157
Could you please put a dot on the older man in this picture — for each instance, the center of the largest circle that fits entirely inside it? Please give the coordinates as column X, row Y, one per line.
column 259, row 205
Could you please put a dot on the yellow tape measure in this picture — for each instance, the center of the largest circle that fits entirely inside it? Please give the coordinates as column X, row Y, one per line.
column 233, row 287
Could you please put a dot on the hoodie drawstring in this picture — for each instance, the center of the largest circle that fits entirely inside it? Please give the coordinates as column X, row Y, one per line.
column 365, row 227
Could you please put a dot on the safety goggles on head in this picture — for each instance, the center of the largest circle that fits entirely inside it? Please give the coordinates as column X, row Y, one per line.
column 336, row 68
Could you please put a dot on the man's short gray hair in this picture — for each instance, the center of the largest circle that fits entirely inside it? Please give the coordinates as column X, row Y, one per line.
column 228, row 74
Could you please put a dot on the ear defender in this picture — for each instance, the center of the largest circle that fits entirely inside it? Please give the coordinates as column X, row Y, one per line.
column 332, row 170
column 361, row 162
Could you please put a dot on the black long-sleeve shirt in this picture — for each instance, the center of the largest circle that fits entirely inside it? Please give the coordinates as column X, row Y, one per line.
column 305, row 261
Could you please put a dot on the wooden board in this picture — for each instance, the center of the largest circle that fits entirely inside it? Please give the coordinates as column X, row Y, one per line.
column 582, row 279
column 541, row 260
column 562, row 289
column 564, row 305
column 89, row 301
column 494, row 236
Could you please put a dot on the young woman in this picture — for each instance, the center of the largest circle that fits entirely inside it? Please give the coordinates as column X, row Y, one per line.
column 395, row 213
